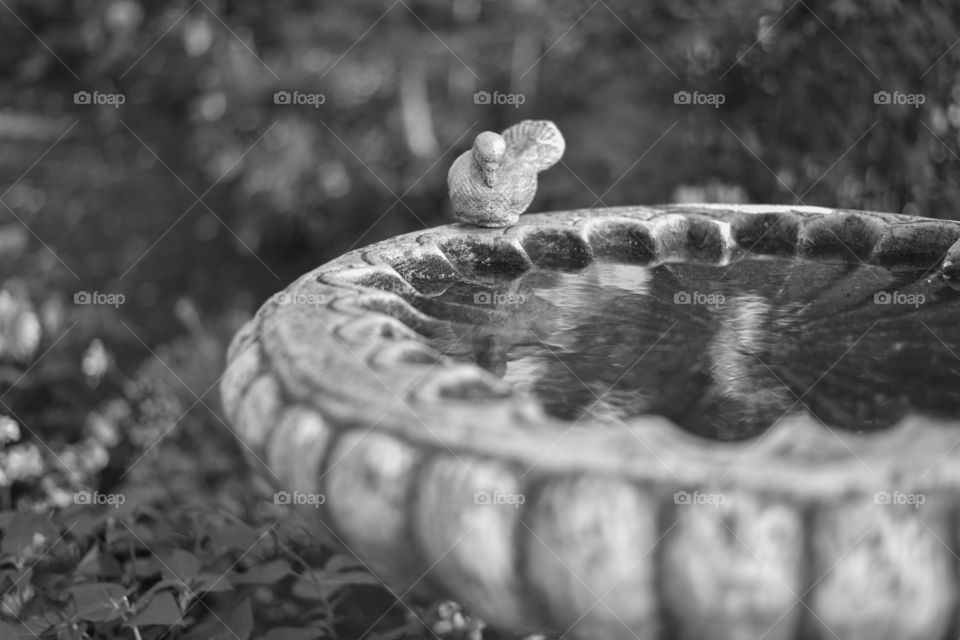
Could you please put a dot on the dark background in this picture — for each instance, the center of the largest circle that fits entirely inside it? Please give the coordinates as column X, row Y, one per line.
column 200, row 195
column 112, row 193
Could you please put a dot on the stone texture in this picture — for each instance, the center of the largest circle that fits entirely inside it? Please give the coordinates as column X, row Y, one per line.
column 367, row 481
column 496, row 180
column 396, row 478
column 883, row 570
column 466, row 514
column 733, row 566
column 583, row 563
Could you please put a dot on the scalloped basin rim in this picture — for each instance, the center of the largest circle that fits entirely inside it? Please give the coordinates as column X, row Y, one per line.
column 413, row 394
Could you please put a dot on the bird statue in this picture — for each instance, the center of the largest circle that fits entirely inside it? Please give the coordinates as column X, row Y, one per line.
column 495, row 181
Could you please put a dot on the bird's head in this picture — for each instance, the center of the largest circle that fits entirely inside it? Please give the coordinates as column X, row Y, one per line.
column 488, row 151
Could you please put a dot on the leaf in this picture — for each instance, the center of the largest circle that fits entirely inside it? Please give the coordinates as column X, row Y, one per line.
column 99, row 565
column 263, row 574
column 234, row 536
column 18, row 631
column 139, row 498
column 11, row 577
column 72, row 632
column 294, row 633
column 44, row 620
column 8, row 632
column 161, row 610
column 240, row 621
column 181, row 564
column 210, row 582
column 339, row 562
column 233, row 624
column 845, row 9
column 414, row 629
column 356, row 578
column 121, row 539
column 312, row 589
column 97, row 601
column 144, row 567
column 320, row 585
column 80, row 520
column 20, row 532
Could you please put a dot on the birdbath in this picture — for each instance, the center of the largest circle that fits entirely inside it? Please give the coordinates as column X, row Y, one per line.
column 640, row 422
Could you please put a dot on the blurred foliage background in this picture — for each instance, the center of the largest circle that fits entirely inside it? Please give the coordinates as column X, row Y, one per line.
column 285, row 187
column 202, row 194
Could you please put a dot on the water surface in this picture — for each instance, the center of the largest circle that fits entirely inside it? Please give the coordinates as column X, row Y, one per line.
column 723, row 351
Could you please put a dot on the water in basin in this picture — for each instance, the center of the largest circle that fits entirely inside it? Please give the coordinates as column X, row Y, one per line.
column 723, row 351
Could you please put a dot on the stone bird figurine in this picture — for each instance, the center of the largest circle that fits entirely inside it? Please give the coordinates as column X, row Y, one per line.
column 495, row 181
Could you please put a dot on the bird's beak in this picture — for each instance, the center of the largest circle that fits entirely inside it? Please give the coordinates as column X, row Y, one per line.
column 489, row 170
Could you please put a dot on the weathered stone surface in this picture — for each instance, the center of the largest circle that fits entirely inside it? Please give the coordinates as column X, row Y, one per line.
column 733, row 566
column 495, row 181
column 356, row 371
column 884, row 569
column 951, row 266
column 584, row 563
column 466, row 514
column 367, row 483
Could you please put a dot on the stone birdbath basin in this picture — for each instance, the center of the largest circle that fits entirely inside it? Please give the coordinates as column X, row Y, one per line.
column 681, row 421
column 695, row 421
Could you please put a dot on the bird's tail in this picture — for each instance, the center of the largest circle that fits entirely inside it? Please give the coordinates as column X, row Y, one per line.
column 537, row 142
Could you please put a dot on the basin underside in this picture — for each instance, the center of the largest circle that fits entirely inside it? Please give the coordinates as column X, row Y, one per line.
column 383, row 382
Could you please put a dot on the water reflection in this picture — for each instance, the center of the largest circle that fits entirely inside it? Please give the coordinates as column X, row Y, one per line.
column 723, row 351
